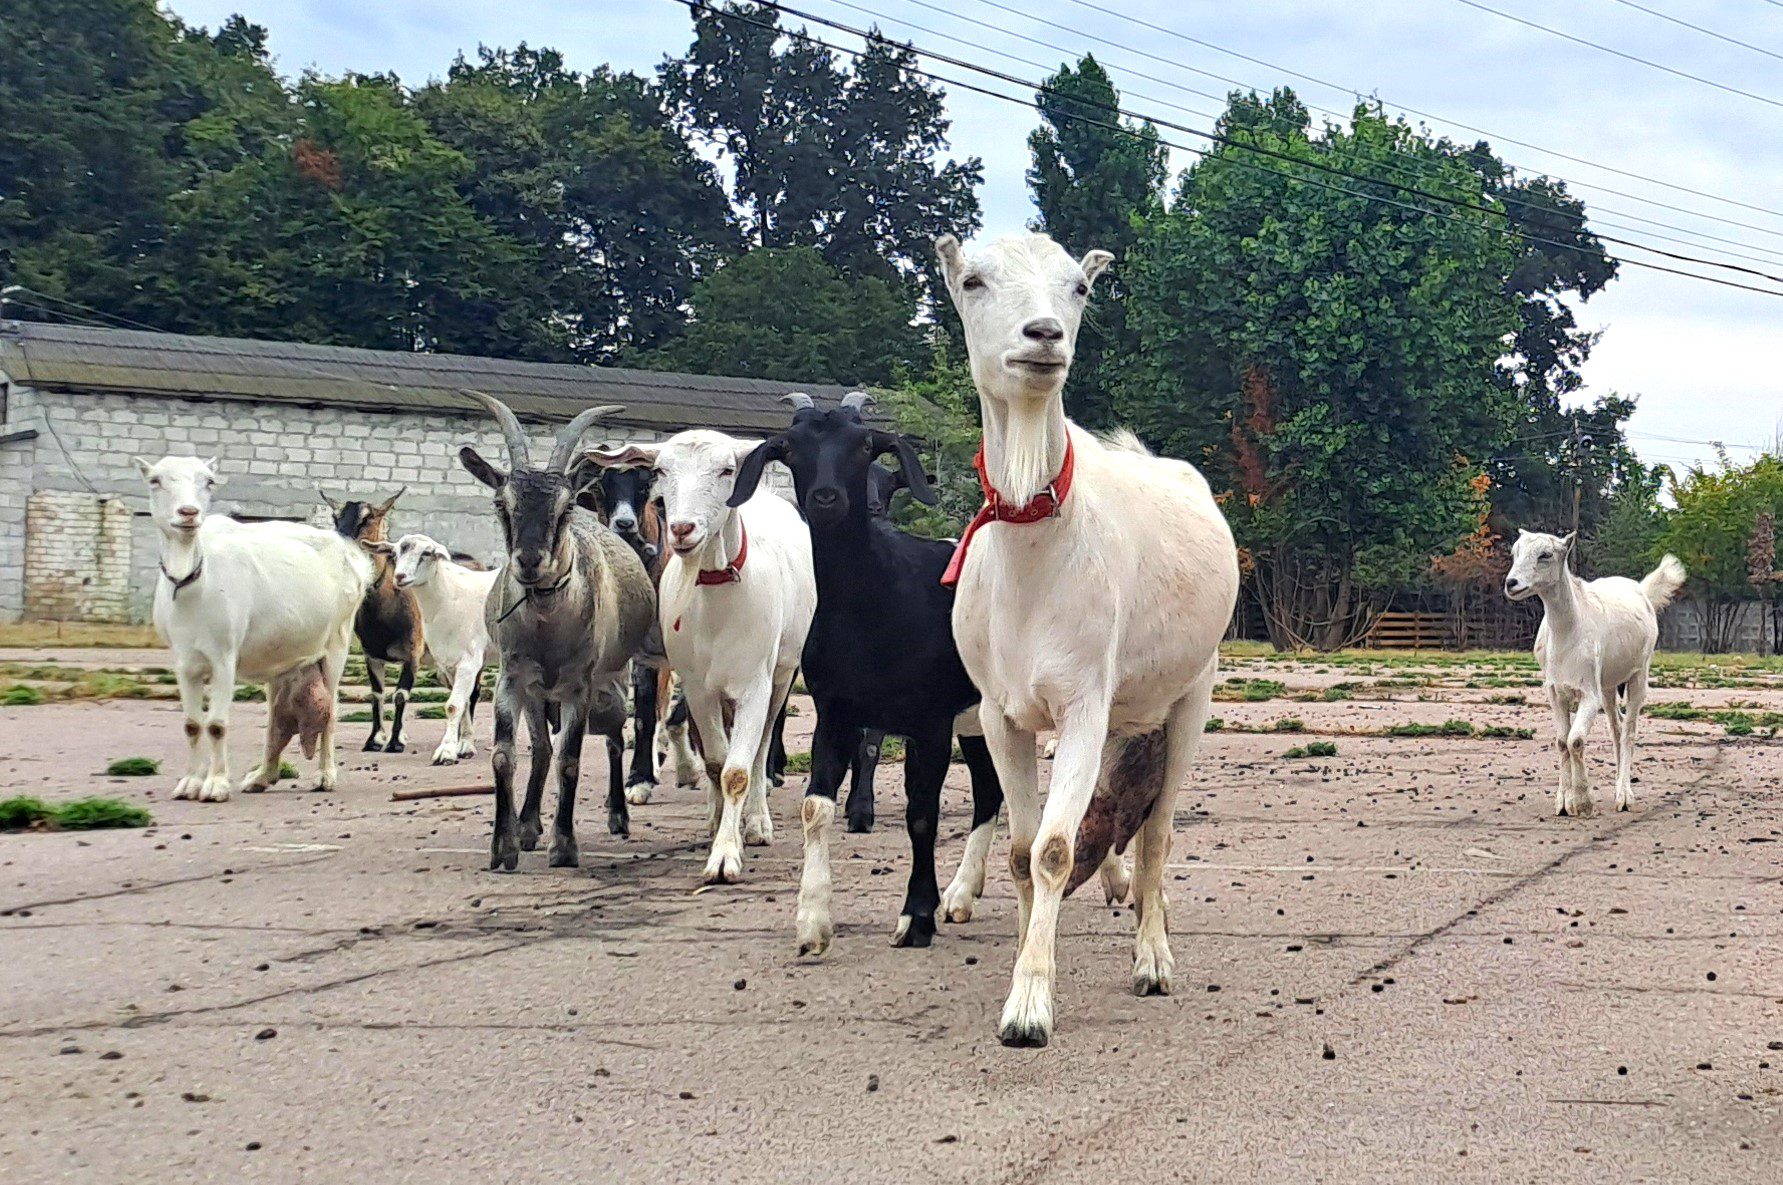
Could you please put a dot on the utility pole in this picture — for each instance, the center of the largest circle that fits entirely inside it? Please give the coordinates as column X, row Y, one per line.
column 1578, row 485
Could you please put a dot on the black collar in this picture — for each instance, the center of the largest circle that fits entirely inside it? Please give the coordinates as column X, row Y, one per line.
column 182, row 582
column 526, row 594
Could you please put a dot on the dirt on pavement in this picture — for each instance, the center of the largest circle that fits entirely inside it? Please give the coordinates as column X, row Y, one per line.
column 1391, row 965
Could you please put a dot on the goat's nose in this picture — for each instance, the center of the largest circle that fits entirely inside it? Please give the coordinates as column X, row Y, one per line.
column 1044, row 329
column 824, row 497
column 680, row 530
column 187, row 512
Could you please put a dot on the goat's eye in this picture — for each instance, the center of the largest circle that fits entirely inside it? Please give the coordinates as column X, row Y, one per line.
column 972, row 283
column 1547, row 555
column 1082, row 288
column 155, row 482
column 728, row 471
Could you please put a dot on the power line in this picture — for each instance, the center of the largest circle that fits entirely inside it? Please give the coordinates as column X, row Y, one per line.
column 1336, row 86
column 1409, row 168
column 1226, row 141
column 1720, row 86
column 1666, row 16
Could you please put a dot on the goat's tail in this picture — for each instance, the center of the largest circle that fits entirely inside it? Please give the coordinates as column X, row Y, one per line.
column 1661, row 585
column 1126, row 790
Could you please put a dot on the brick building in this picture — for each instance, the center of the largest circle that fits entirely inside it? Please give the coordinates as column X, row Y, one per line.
column 76, row 404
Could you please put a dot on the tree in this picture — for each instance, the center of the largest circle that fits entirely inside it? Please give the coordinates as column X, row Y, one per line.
column 1711, row 528
column 785, row 313
column 1330, row 359
column 841, row 160
column 1097, row 179
column 588, row 171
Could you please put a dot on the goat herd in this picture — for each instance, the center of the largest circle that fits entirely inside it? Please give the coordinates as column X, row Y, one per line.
column 1088, row 596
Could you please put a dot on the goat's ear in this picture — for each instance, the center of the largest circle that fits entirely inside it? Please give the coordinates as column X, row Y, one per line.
column 216, row 474
column 750, row 468
column 143, row 465
column 380, row 546
column 632, row 456
column 1566, row 543
column 333, row 506
column 480, row 469
column 953, row 259
column 1094, row 263
column 910, row 469
column 385, row 508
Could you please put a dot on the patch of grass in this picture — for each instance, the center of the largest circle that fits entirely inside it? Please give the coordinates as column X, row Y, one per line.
column 1505, row 731
column 1312, row 749
column 20, row 696
column 798, row 763
column 92, row 814
column 1337, row 692
column 431, row 712
column 1214, row 724
column 1288, row 724
column 1253, row 691
column 249, row 692
column 21, row 812
column 362, row 716
column 133, row 767
column 83, row 814
column 1448, row 728
column 287, row 770
column 1508, row 698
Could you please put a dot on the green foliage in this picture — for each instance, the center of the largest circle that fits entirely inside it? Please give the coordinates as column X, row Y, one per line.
column 82, row 814
column 798, row 763
column 1214, row 724
column 1095, row 186
column 1710, row 528
column 939, row 408
column 786, row 313
column 1448, row 728
column 1626, row 541
column 133, row 767
column 1312, row 749
column 840, row 158
column 20, row 696
column 1331, row 361
column 287, row 770
column 1288, row 724
column 93, row 814
column 22, row 811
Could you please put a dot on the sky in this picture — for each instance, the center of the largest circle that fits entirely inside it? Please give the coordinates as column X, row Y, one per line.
column 1704, row 360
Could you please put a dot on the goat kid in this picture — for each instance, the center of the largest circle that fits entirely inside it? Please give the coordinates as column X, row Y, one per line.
column 735, row 606
column 568, row 610
column 451, row 598
column 268, row 602
column 388, row 623
column 1074, row 520
column 1595, row 646
column 880, row 655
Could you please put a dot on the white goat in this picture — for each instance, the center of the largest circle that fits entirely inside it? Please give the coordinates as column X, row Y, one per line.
column 265, row 602
column 736, row 602
column 1596, row 640
column 451, row 599
column 1093, row 592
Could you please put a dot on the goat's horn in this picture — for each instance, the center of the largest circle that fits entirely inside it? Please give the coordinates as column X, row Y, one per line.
column 856, row 400
column 519, row 453
column 569, row 437
column 798, row 399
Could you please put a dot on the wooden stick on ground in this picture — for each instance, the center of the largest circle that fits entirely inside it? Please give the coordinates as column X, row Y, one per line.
column 440, row 792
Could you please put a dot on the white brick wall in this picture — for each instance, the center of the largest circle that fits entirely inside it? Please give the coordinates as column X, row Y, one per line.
column 273, row 457
column 77, row 557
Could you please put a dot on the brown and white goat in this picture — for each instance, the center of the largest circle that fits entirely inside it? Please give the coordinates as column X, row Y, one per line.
column 388, row 623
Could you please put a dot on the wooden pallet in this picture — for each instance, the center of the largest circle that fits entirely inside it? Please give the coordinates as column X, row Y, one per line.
column 1410, row 631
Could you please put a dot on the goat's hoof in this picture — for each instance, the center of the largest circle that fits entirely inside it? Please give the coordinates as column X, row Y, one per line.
column 254, row 786
column 466, row 751
column 565, row 855
column 860, row 824
column 723, row 869
column 914, row 930
column 758, row 833
column 214, row 790
column 619, row 823
column 638, row 793
column 186, row 788
column 1151, row 974
column 1148, row 985
column 396, row 746
column 528, row 833
column 1023, row 1036
column 958, row 905
column 504, row 854
column 815, row 935
column 373, row 745
column 445, row 756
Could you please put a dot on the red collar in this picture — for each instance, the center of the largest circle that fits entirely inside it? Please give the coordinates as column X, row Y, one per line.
column 732, row 572
column 1043, row 505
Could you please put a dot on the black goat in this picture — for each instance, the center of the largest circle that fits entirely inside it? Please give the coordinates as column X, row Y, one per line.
column 880, row 655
